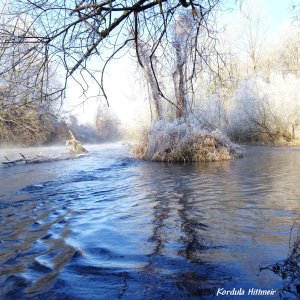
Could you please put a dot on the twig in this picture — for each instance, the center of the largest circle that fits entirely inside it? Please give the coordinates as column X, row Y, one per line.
column 24, row 158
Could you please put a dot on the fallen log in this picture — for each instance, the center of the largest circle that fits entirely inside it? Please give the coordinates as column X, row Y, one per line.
column 76, row 151
column 40, row 159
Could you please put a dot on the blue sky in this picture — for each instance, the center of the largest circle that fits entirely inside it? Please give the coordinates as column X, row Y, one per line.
column 279, row 10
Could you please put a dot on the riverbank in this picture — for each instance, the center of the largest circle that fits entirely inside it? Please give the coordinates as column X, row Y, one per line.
column 281, row 143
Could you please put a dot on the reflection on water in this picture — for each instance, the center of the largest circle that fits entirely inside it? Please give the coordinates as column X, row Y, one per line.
column 110, row 227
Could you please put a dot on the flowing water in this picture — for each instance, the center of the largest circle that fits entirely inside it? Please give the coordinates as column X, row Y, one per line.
column 108, row 226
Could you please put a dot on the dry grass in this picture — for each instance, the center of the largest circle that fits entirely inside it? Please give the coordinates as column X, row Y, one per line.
column 176, row 142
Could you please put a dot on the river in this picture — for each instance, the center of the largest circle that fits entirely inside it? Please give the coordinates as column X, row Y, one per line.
column 108, row 226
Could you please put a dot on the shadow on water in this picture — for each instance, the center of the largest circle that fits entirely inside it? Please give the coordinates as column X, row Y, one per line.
column 110, row 227
column 178, row 236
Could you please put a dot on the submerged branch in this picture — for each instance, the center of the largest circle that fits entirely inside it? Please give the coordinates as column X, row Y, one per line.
column 289, row 268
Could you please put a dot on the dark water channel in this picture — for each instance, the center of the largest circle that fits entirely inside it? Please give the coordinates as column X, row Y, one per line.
column 111, row 227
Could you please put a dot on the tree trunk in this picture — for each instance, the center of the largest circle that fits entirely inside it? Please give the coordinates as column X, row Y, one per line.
column 179, row 83
column 154, row 92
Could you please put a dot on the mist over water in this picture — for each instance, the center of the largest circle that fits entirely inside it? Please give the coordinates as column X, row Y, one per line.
column 108, row 226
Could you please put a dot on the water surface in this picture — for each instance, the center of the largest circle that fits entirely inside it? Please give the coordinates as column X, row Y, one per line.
column 111, row 227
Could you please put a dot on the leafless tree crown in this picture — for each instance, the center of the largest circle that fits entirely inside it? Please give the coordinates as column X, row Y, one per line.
column 72, row 32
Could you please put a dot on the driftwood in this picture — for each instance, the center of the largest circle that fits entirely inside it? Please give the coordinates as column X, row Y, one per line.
column 39, row 159
column 76, row 146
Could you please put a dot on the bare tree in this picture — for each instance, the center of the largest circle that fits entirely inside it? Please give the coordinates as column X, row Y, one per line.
column 180, row 38
column 107, row 125
column 189, row 51
column 28, row 87
column 74, row 32
column 153, row 81
column 254, row 33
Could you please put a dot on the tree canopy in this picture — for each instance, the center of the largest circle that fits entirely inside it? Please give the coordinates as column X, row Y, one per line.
column 70, row 33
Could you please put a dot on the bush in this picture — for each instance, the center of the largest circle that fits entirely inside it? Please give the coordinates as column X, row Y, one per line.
column 177, row 141
column 266, row 111
column 27, row 126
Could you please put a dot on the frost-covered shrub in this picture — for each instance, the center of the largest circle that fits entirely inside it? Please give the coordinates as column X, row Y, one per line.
column 177, row 141
column 266, row 111
column 209, row 111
